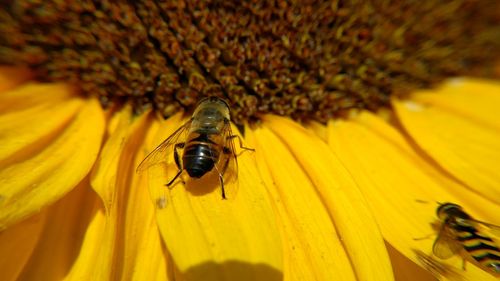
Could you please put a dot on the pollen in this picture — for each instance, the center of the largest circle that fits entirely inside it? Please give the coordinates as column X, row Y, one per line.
column 310, row 60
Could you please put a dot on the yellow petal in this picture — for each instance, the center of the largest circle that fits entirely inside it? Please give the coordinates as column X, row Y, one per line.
column 18, row 133
column 396, row 179
column 312, row 249
column 17, row 244
column 105, row 172
column 318, row 129
column 11, row 77
column 470, row 98
column 347, row 207
column 35, row 180
column 33, row 94
column 131, row 232
column 210, row 238
column 147, row 259
column 464, row 148
column 63, row 234
column 84, row 264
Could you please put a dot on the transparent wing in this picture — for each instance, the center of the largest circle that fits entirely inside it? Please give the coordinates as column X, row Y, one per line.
column 228, row 163
column 161, row 152
column 233, row 158
column 445, row 245
column 494, row 229
column 436, row 268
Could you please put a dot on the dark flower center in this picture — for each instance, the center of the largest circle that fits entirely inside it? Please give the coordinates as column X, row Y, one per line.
column 311, row 60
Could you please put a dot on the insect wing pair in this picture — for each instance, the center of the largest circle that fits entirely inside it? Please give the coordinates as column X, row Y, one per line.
column 226, row 165
column 438, row 269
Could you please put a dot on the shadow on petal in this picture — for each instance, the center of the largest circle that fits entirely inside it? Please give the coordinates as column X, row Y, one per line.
column 61, row 250
column 11, row 77
column 233, row 270
column 17, row 244
column 406, row 269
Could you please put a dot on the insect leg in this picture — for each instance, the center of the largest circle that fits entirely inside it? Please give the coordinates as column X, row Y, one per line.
column 221, row 178
column 176, row 154
column 222, row 187
column 177, row 162
column 172, row 180
column 241, row 143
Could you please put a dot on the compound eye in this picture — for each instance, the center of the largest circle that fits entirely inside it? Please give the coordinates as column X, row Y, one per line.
column 444, row 209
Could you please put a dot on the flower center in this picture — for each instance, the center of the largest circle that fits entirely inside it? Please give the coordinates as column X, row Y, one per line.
column 311, row 60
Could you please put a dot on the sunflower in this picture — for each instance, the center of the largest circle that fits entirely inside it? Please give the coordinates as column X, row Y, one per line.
column 352, row 149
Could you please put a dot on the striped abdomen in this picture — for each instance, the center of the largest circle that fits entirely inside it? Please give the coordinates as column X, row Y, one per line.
column 481, row 248
column 200, row 155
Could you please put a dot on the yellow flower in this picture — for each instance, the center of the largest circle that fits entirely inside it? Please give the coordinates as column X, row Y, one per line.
column 352, row 198
column 336, row 202
column 440, row 146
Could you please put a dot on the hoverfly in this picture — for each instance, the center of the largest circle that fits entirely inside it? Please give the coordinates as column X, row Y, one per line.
column 206, row 144
column 460, row 232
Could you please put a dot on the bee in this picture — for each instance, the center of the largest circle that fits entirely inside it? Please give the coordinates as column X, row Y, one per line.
column 207, row 144
column 459, row 232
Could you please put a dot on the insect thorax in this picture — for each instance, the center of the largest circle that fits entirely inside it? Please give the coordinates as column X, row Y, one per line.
column 208, row 121
column 453, row 212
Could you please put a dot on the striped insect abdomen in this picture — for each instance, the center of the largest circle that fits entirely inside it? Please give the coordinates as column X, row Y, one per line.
column 480, row 247
column 200, row 155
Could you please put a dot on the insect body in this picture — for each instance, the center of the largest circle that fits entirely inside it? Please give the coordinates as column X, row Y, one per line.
column 206, row 141
column 461, row 232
